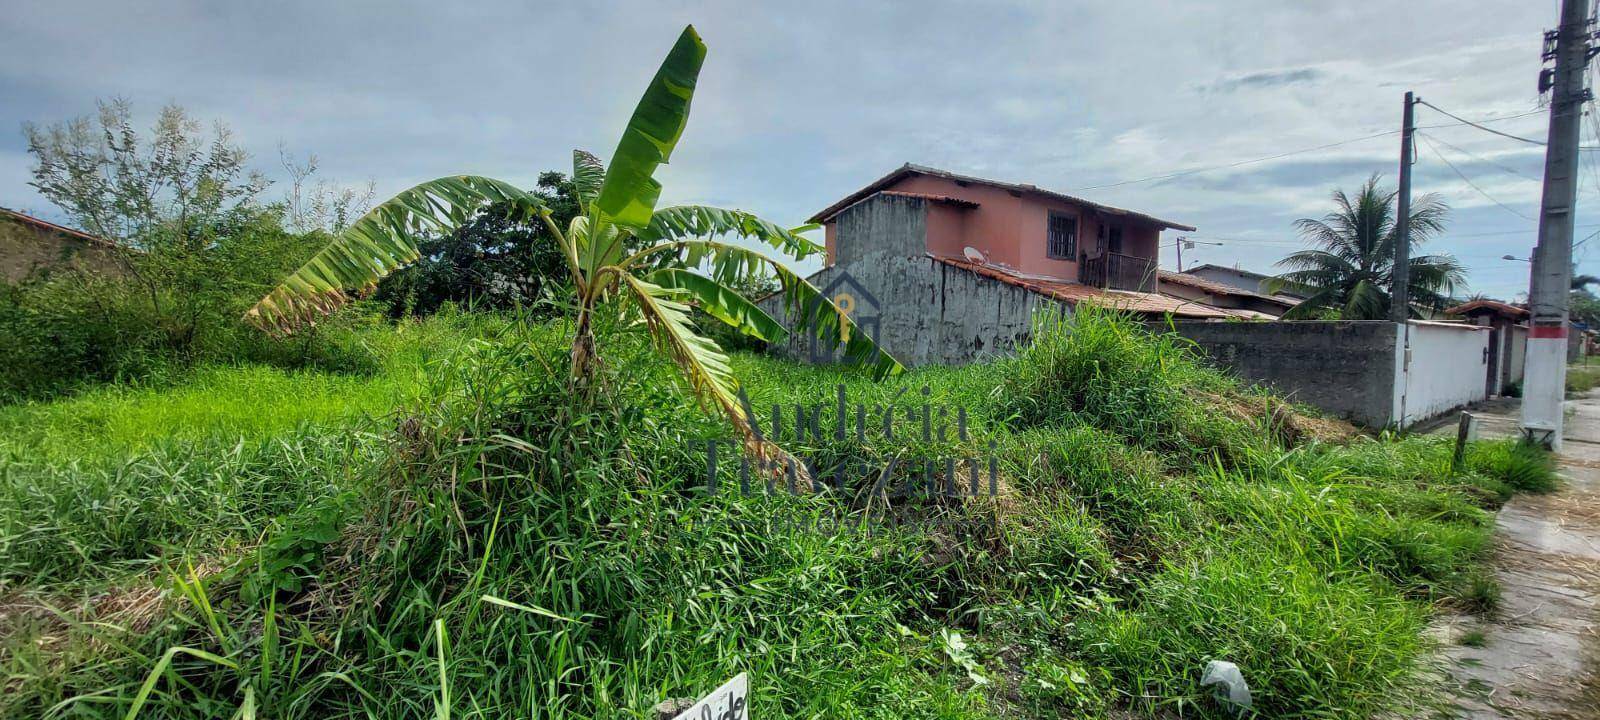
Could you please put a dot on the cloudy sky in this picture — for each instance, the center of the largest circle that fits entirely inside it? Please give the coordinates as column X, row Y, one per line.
column 803, row 102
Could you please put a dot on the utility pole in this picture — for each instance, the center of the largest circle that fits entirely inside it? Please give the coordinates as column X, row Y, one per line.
column 1180, row 254
column 1546, row 366
column 1400, row 290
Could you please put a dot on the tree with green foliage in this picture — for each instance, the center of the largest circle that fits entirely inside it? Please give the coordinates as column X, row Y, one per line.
column 140, row 191
column 196, row 245
column 1584, row 307
column 502, row 258
column 1351, row 268
column 679, row 262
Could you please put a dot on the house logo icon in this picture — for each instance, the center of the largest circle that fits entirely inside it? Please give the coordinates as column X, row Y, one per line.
column 855, row 302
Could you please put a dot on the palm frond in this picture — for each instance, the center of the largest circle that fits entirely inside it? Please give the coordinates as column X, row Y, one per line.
column 811, row 312
column 1366, row 301
column 587, row 174
column 690, row 222
column 380, row 242
column 723, row 303
column 703, row 364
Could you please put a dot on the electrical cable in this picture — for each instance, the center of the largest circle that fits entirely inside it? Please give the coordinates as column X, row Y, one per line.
column 1481, row 159
column 1302, row 151
column 1469, row 182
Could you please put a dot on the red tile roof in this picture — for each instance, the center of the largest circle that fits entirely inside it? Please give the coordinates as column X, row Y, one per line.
column 1481, row 307
column 1074, row 293
column 909, row 169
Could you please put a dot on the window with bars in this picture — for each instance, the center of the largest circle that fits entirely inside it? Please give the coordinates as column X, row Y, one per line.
column 1063, row 240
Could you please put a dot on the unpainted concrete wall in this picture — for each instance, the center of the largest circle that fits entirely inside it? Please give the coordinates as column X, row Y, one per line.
column 1445, row 368
column 926, row 312
column 25, row 250
column 1344, row 368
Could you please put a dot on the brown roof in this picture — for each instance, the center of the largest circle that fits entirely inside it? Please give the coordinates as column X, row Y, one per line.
column 1486, row 307
column 909, row 169
column 1216, row 288
column 1074, row 293
column 52, row 227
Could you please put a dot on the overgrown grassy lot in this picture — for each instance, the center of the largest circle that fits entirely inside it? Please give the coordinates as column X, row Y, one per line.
column 459, row 535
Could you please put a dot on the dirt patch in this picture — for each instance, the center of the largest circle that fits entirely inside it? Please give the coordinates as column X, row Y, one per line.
column 1292, row 424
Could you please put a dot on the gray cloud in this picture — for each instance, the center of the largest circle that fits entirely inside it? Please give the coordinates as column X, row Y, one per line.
column 1263, row 79
column 800, row 104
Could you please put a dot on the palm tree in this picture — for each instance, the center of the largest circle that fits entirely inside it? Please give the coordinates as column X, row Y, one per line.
column 621, row 252
column 1351, row 269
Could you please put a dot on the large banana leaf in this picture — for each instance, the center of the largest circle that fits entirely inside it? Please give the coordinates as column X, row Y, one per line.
column 629, row 193
column 380, row 242
column 689, row 222
column 809, row 310
column 723, row 303
column 704, row 365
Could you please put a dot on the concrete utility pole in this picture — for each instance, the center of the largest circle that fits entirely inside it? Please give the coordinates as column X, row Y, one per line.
column 1546, row 367
column 1400, row 288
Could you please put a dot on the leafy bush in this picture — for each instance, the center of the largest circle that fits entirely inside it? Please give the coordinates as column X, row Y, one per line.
column 1102, row 368
column 172, row 310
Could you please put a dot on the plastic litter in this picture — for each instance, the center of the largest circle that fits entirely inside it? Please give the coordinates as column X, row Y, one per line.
column 1231, row 690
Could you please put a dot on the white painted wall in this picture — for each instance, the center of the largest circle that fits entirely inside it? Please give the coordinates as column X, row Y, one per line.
column 1438, row 366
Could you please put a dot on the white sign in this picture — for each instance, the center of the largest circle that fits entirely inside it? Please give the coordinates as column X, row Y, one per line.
column 729, row 702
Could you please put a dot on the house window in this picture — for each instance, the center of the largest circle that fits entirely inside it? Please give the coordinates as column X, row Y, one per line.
column 1114, row 240
column 1063, row 243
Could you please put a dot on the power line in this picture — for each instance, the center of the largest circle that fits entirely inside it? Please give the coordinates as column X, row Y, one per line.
column 1535, row 111
column 1291, row 153
column 1479, row 158
column 1465, row 121
column 1469, row 182
column 1509, row 232
column 1193, row 171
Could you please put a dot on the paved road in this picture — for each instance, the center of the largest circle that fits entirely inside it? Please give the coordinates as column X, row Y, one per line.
column 1541, row 658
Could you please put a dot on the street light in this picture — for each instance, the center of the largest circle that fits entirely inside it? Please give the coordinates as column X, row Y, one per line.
column 1515, row 258
column 1184, row 243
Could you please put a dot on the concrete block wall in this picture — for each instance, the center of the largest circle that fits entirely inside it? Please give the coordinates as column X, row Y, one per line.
column 1367, row 372
column 925, row 312
column 1344, row 368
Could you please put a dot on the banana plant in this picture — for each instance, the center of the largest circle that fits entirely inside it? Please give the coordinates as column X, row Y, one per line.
column 680, row 259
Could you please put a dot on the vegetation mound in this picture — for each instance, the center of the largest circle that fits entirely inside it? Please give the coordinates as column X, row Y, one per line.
column 498, row 546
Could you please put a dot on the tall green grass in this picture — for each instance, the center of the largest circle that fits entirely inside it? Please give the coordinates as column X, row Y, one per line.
column 495, row 547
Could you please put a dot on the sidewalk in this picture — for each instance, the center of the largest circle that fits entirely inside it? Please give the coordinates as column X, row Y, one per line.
column 1540, row 655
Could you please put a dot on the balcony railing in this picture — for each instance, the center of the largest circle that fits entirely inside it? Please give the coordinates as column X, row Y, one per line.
column 1116, row 271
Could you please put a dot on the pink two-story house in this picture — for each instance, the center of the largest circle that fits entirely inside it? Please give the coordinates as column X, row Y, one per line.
column 945, row 268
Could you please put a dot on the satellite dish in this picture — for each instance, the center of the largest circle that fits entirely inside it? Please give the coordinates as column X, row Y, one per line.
column 974, row 255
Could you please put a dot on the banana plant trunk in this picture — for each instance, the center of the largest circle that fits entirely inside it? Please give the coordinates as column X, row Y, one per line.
column 583, row 352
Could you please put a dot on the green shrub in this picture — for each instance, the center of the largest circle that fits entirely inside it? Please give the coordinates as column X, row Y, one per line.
column 1521, row 467
column 1102, row 368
